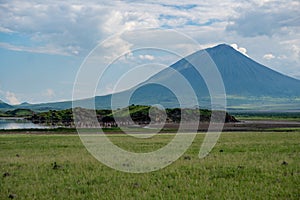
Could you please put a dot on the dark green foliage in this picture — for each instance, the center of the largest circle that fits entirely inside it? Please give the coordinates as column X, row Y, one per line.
column 53, row 117
column 139, row 114
column 17, row 113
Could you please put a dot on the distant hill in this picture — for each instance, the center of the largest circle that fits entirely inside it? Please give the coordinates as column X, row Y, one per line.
column 17, row 113
column 46, row 106
column 25, row 104
column 4, row 105
column 248, row 84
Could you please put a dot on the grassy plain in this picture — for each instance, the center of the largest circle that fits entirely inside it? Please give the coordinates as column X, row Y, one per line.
column 269, row 116
column 242, row 165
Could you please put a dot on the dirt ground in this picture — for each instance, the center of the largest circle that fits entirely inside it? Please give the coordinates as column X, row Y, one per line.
column 253, row 125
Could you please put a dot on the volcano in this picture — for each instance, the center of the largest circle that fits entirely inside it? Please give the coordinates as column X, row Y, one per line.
column 248, row 85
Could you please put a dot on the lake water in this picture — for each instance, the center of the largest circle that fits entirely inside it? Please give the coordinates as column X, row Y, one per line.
column 18, row 123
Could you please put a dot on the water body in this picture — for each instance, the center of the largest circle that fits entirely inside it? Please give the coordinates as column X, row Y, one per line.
column 18, row 123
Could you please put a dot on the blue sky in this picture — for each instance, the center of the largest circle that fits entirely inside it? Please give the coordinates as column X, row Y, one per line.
column 43, row 43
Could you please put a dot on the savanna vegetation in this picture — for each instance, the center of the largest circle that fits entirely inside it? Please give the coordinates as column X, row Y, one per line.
column 138, row 114
column 242, row 165
column 17, row 113
column 285, row 116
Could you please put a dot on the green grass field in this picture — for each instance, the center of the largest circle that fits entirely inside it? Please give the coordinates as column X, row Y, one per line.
column 243, row 165
column 269, row 116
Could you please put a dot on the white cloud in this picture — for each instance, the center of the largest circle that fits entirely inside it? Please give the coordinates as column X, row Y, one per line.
column 49, row 93
column 44, row 50
column 75, row 28
column 146, row 57
column 269, row 56
column 5, row 30
column 60, row 24
column 296, row 51
column 267, row 18
column 293, row 46
column 282, row 57
column 121, row 21
column 11, row 98
column 115, row 47
column 68, row 28
column 240, row 49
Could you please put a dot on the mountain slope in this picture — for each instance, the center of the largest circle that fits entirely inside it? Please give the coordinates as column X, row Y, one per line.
column 242, row 75
column 248, row 85
column 4, row 105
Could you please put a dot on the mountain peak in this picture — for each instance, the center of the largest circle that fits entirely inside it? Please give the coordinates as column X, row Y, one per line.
column 242, row 76
column 24, row 104
column 223, row 45
column 224, row 48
